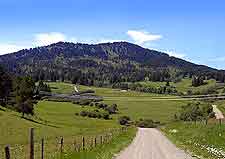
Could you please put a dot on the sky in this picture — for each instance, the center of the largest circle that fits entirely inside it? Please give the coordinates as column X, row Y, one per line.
column 193, row 30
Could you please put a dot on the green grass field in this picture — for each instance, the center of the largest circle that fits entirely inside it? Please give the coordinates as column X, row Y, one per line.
column 183, row 86
column 200, row 139
column 106, row 151
column 52, row 119
column 134, row 104
column 58, row 119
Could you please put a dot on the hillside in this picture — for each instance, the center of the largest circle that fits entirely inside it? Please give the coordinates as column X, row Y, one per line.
column 101, row 64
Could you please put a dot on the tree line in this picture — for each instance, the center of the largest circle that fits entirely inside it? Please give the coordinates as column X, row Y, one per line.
column 19, row 93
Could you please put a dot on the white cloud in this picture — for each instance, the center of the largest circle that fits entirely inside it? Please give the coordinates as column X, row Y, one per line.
column 141, row 37
column 9, row 48
column 175, row 54
column 42, row 39
column 172, row 53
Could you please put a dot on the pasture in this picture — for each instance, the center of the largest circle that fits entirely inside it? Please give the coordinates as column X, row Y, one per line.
column 134, row 104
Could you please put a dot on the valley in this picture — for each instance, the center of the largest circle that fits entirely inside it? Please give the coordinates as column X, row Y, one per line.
column 54, row 119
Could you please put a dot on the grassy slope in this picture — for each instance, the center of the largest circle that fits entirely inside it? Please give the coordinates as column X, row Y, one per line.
column 58, row 119
column 52, row 120
column 184, row 85
column 189, row 134
column 138, row 105
column 107, row 151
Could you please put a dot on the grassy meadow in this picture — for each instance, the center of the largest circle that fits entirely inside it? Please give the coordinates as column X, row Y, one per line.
column 106, row 151
column 55, row 119
column 134, row 104
column 204, row 141
column 52, row 119
column 184, row 85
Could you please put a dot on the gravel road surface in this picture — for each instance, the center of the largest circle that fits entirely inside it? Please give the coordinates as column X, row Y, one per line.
column 218, row 113
column 152, row 144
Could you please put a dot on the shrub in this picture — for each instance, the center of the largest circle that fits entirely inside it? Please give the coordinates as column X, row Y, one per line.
column 196, row 111
column 101, row 106
column 83, row 113
column 147, row 123
column 106, row 116
column 96, row 104
column 95, row 114
column 124, row 120
column 112, row 109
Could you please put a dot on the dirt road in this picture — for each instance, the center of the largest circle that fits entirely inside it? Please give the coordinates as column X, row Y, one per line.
column 152, row 144
column 218, row 113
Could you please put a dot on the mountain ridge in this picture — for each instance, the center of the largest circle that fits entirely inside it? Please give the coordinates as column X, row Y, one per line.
column 113, row 56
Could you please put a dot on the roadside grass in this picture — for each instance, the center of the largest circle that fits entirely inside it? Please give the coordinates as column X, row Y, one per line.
column 200, row 139
column 107, row 151
column 221, row 105
column 52, row 119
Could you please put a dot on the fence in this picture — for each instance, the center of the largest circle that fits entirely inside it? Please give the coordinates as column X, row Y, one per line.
column 58, row 147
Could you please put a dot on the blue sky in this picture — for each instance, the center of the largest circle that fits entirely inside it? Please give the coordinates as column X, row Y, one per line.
column 191, row 29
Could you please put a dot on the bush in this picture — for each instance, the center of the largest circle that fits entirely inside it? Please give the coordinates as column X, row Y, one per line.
column 43, row 87
column 196, row 111
column 124, row 120
column 94, row 114
column 102, row 106
column 83, row 113
column 83, row 102
column 146, row 123
column 106, row 116
column 112, row 109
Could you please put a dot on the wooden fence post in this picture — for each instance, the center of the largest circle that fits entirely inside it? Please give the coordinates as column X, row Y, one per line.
column 7, row 152
column 101, row 140
column 42, row 148
column 74, row 144
column 32, row 143
column 83, row 143
column 61, row 147
column 220, row 121
column 95, row 142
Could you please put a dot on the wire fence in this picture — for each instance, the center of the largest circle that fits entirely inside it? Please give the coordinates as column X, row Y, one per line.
column 58, row 147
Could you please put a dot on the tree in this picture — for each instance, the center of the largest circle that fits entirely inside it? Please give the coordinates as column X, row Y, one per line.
column 124, row 120
column 24, row 90
column 43, row 87
column 197, row 81
column 26, row 107
column 167, row 84
column 5, row 86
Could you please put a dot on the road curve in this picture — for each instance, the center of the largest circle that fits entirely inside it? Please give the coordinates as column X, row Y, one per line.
column 218, row 113
column 151, row 144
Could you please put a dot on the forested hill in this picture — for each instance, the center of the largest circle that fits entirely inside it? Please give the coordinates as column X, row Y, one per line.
column 107, row 62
